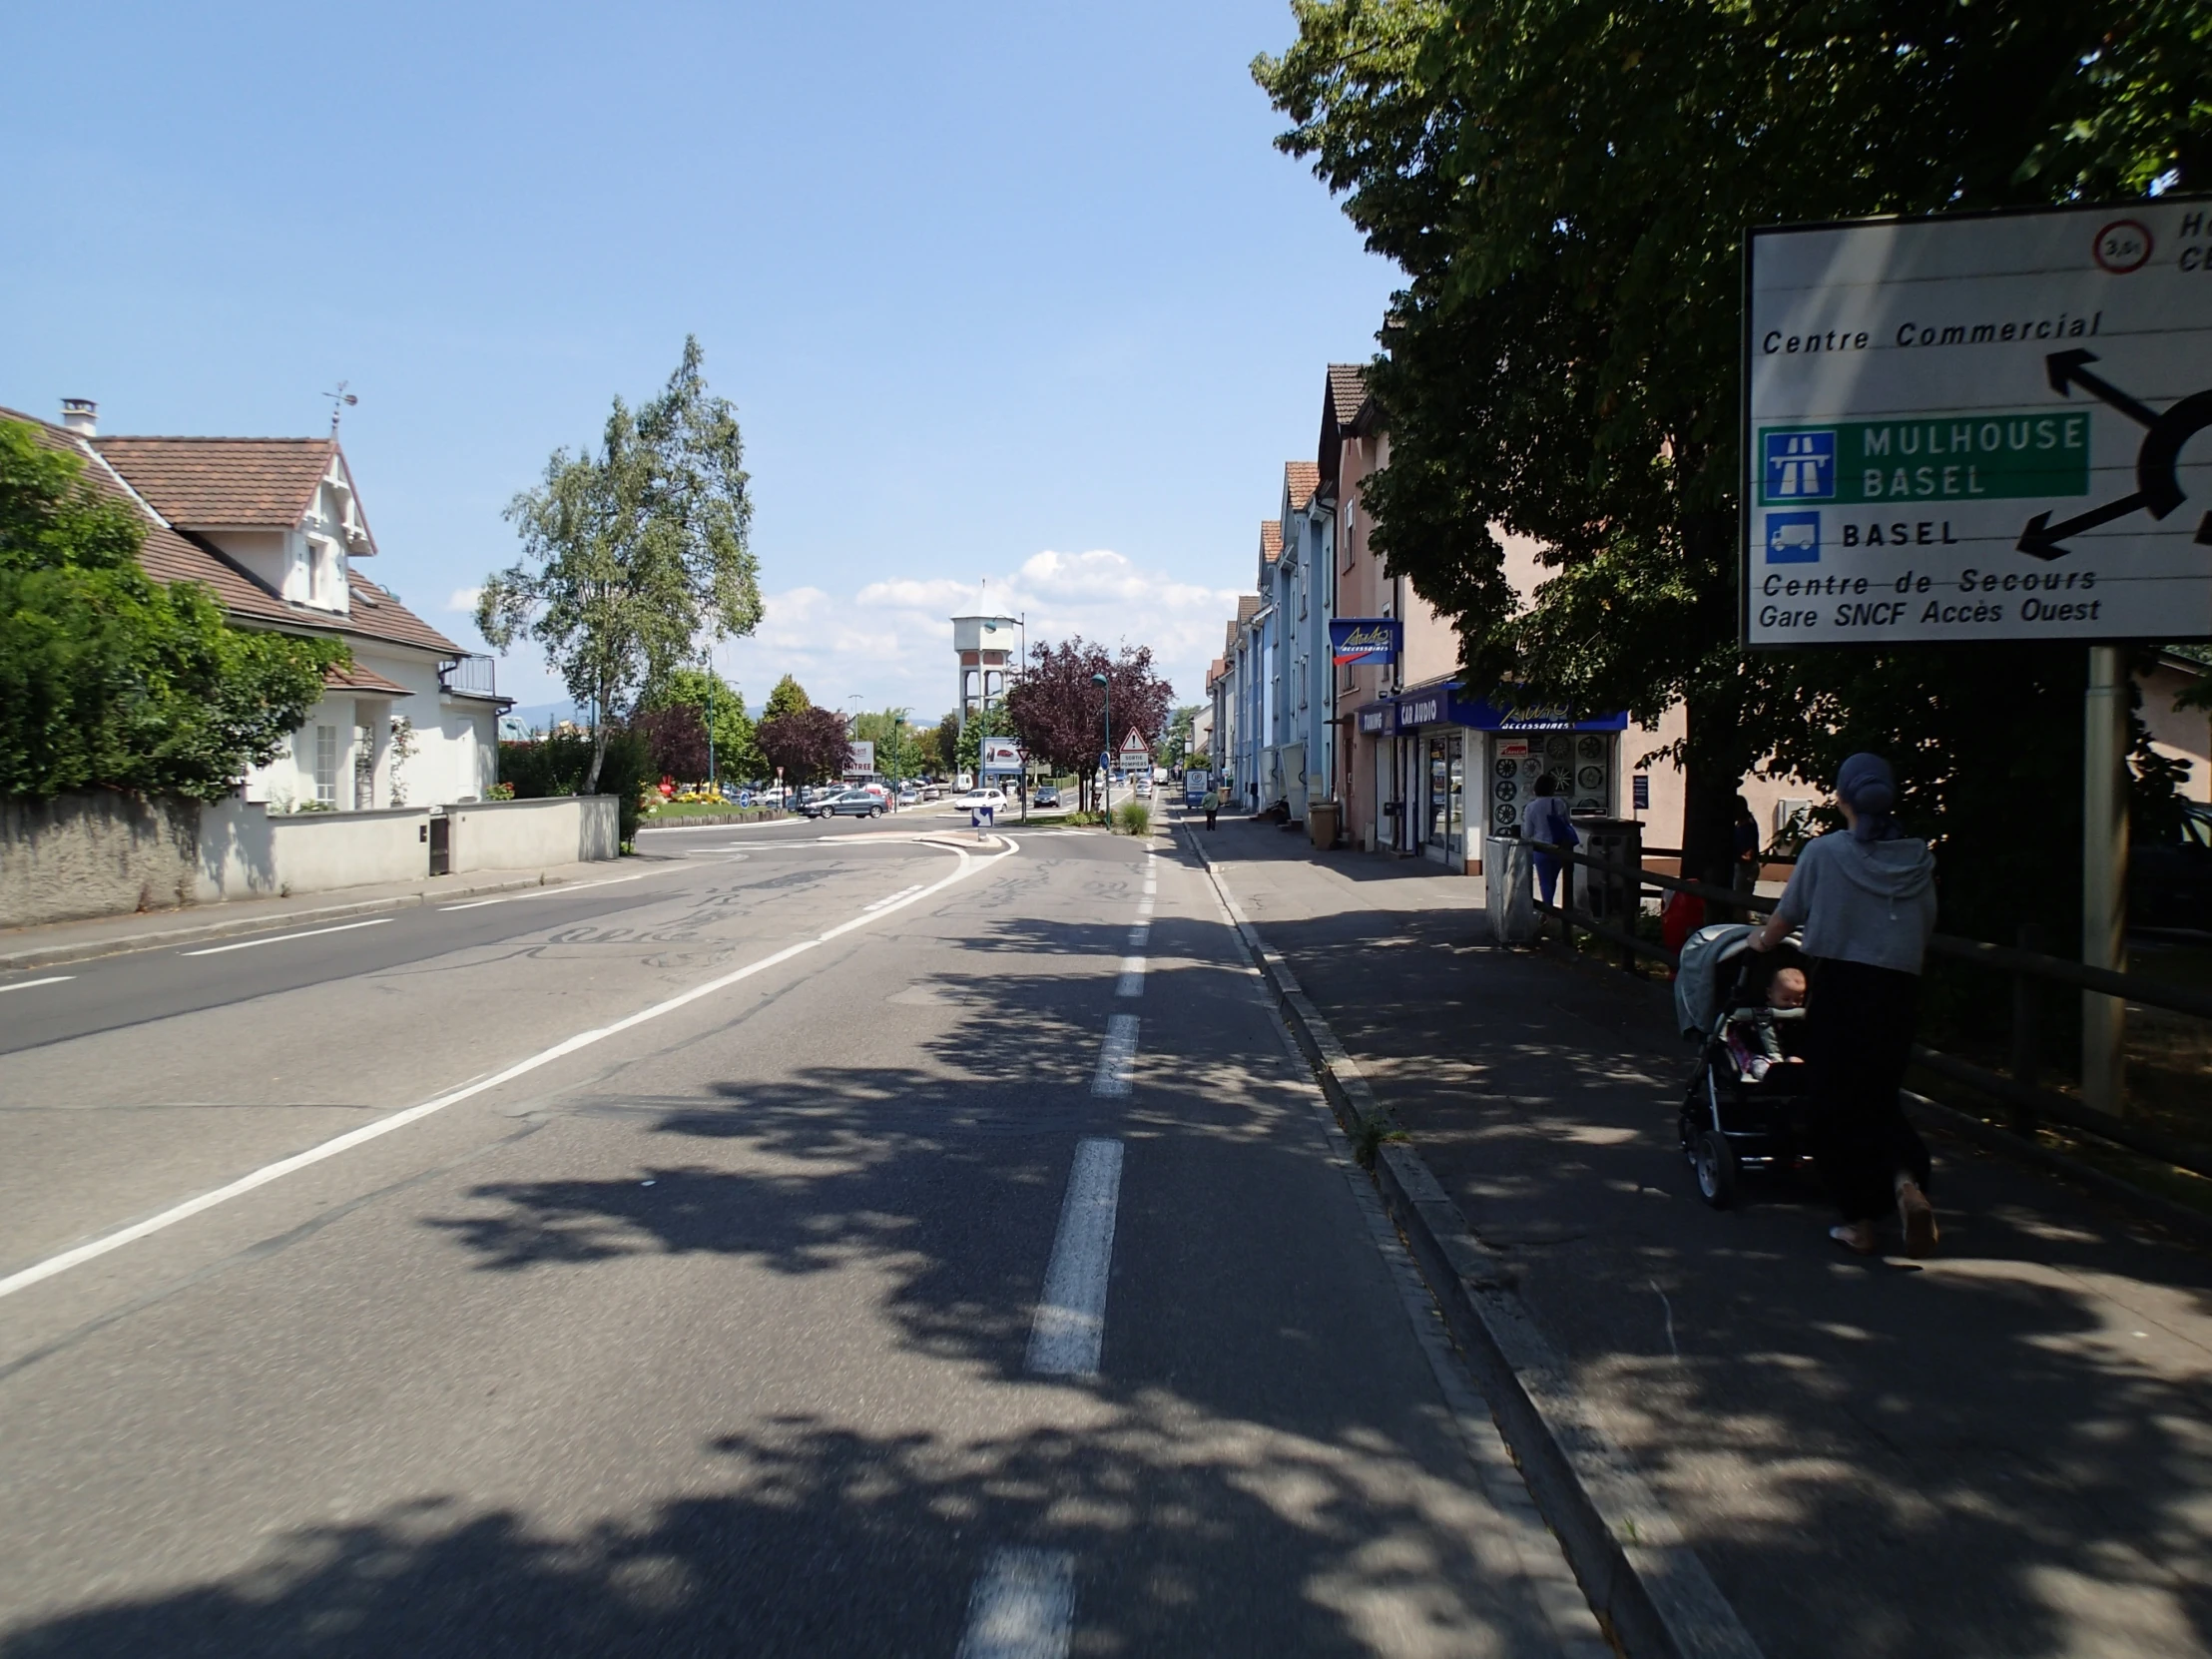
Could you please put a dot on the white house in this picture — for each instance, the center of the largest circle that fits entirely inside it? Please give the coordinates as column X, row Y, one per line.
column 274, row 527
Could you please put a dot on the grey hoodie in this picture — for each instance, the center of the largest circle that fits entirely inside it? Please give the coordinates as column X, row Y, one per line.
column 1863, row 901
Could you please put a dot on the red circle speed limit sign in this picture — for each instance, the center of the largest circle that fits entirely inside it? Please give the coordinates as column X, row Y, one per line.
column 2121, row 246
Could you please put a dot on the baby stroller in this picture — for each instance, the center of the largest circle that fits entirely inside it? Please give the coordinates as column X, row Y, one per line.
column 1746, row 1106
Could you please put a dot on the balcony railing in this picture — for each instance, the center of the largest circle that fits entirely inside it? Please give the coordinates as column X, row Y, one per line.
column 470, row 677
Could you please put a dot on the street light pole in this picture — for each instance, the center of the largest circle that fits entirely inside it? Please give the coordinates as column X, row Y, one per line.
column 1106, row 753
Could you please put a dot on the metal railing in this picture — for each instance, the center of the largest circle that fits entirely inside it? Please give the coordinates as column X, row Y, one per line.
column 470, row 677
column 2018, row 1094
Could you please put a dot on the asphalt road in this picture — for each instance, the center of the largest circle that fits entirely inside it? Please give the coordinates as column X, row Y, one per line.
column 815, row 1240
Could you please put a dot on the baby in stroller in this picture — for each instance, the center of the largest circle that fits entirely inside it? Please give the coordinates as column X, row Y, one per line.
column 1752, row 1032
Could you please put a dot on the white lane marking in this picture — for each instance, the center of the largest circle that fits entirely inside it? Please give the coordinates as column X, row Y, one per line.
column 38, row 1270
column 1115, row 1057
column 1023, row 1608
column 50, row 980
column 894, row 898
column 1144, row 905
column 287, row 938
column 1131, row 982
column 1070, row 1325
column 1139, row 936
column 553, row 891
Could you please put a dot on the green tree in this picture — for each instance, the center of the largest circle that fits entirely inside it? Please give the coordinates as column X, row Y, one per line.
column 1566, row 187
column 109, row 678
column 990, row 721
column 633, row 553
column 736, row 754
column 787, row 698
column 898, row 749
column 943, row 751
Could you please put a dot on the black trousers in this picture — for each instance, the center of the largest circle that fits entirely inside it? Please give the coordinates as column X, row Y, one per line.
column 1859, row 1025
column 1209, row 812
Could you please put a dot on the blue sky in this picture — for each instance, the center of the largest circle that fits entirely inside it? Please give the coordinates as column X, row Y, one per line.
column 1014, row 293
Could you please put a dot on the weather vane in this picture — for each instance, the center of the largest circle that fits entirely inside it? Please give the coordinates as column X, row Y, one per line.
column 340, row 402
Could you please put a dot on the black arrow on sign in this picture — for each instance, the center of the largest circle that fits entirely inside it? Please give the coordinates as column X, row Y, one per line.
column 2157, row 480
column 2065, row 370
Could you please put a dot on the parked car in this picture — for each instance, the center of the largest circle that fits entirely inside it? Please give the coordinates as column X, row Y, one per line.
column 1048, row 795
column 993, row 798
column 2169, row 879
column 845, row 804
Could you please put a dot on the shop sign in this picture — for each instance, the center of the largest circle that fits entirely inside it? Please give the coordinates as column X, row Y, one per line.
column 1422, row 707
column 860, row 758
column 1979, row 427
column 1375, row 717
column 1364, row 639
column 1485, row 716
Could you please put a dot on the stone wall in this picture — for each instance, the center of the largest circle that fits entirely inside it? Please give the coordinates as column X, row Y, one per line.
column 97, row 853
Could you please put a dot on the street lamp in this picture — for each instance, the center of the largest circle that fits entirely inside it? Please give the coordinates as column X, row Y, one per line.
column 1106, row 750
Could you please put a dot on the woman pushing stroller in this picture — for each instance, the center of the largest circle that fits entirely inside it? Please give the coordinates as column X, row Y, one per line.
column 1866, row 902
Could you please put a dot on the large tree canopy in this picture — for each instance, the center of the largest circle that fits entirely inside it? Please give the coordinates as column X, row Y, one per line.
column 1567, row 186
column 810, row 745
column 633, row 553
column 1059, row 711
column 110, row 678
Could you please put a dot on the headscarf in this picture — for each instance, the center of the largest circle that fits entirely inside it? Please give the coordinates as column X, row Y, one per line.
column 1867, row 784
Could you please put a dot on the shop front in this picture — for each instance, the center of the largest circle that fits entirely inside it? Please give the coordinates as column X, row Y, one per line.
column 1469, row 768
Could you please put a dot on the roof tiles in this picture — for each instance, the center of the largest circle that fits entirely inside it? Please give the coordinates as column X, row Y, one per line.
column 223, row 483
column 1299, row 480
column 1270, row 540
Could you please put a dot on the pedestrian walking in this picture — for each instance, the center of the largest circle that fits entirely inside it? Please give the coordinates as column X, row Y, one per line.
column 1546, row 821
column 1866, row 899
column 1742, row 830
column 1210, row 804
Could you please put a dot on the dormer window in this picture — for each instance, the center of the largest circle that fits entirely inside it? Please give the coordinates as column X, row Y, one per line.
column 325, row 575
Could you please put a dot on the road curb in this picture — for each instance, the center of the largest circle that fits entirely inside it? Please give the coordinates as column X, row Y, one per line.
column 86, row 951
column 1643, row 1579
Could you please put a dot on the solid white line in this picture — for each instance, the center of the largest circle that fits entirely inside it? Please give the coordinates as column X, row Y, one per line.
column 50, row 980
column 1116, row 1055
column 894, row 898
column 383, row 1126
column 1131, row 982
column 1071, row 1315
column 1023, row 1608
column 553, row 891
column 287, row 938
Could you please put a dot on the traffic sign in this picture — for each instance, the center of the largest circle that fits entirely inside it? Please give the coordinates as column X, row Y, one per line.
column 1979, row 427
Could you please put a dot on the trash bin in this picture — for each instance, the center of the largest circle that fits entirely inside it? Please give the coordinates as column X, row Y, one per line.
column 1510, row 890
column 1321, row 822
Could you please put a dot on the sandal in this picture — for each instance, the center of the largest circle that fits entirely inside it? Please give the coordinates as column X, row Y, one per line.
column 1855, row 1237
column 1918, row 1215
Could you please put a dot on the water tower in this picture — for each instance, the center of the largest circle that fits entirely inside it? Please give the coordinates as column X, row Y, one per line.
column 989, row 649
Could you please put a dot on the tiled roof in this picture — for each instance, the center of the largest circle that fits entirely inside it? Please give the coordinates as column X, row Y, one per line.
column 1270, row 540
column 1248, row 606
column 359, row 679
column 378, row 615
column 1214, row 672
column 1348, row 390
column 170, row 555
column 223, row 483
column 1299, row 480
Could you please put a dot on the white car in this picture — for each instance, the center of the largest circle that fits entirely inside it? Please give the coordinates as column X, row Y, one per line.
column 993, row 798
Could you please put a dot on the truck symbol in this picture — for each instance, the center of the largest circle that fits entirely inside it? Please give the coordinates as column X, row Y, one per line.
column 1793, row 538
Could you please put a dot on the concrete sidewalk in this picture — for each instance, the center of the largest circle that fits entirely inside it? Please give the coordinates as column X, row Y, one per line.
column 2004, row 1450
column 80, row 942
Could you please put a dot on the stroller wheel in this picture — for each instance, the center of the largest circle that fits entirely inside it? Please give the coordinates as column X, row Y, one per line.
column 1715, row 1162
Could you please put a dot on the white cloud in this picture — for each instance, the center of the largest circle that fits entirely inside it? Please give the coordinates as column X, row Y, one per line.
column 890, row 642
column 463, row 599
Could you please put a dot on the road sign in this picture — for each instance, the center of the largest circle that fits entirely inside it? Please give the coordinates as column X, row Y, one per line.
column 1979, row 427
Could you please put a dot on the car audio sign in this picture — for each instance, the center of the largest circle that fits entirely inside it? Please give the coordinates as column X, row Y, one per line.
column 1984, row 427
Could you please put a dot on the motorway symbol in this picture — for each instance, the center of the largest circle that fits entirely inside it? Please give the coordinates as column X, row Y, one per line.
column 2158, row 488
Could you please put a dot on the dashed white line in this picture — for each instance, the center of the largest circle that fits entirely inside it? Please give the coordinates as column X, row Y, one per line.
column 1140, row 935
column 39, row 1271
column 1070, row 1326
column 285, row 938
column 50, row 980
column 1115, row 1057
column 1023, row 1608
column 554, row 892
column 894, row 899
column 1131, row 980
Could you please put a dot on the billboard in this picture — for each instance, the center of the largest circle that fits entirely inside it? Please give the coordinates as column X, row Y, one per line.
column 1364, row 639
column 1001, row 758
column 860, row 756
column 1979, row 427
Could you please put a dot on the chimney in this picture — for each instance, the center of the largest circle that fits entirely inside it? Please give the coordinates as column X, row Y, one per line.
column 82, row 416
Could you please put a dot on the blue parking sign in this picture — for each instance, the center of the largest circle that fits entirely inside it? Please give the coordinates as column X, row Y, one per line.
column 1800, row 466
column 1793, row 538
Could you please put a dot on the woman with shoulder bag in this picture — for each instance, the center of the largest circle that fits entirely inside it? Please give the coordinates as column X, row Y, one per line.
column 1866, row 899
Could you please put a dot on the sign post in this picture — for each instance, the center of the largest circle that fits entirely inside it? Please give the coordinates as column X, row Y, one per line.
column 1987, row 428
